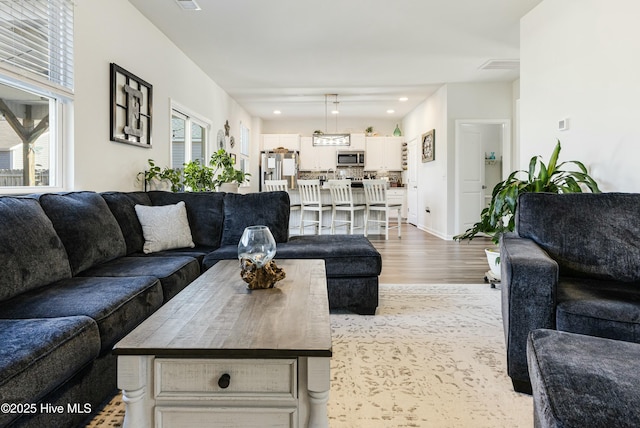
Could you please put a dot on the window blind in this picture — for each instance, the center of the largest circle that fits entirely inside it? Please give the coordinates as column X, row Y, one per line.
column 36, row 36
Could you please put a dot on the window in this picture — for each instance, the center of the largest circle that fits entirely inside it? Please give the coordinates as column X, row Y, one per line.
column 189, row 136
column 36, row 39
column 36, row 88
column 28, row 155
column 245, row 135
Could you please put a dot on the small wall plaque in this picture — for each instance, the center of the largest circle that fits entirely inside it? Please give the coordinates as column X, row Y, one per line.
column 131, row 102
column 429, row 146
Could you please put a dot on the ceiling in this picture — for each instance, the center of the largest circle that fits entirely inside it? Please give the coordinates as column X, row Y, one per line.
column 287, row 54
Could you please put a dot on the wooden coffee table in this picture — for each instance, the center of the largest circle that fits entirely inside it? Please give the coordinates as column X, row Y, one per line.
column 219, row 354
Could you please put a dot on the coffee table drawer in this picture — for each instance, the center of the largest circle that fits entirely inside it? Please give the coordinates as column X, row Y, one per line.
column 222, row 378
column 246, row 417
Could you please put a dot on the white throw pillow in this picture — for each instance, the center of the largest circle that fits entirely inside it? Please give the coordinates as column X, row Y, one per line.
column 164, row 227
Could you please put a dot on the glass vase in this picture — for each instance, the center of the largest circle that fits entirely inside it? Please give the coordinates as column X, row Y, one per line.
column 257, row 245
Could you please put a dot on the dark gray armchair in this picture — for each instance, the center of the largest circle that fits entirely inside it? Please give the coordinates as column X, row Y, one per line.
column 573, row 264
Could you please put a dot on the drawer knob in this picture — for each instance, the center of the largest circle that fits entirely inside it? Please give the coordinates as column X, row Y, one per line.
column 224, row 381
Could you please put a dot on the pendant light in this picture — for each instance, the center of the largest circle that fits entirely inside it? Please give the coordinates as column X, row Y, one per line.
column 327, row 139
column 335, row 111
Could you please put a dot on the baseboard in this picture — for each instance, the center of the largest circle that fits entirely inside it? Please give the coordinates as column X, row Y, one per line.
column 434, row 233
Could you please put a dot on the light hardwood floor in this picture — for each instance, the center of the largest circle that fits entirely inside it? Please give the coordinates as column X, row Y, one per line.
column 421, row 258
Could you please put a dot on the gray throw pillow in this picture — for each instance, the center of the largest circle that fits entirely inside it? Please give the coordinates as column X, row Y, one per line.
column 164, row 227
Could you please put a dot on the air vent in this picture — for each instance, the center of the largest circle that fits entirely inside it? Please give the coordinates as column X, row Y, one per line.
column 501, row 64
column 188, row 4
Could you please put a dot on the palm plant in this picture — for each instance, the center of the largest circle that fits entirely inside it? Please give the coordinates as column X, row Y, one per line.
column 499, row 218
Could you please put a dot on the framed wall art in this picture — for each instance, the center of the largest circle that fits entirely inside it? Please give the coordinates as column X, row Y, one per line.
column 130, row 114
column 429, row 146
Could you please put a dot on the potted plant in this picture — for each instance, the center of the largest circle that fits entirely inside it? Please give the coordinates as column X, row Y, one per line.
column 499, row 218
column 368, row 131
column 157, row 178
column 228, row 178
column 198, row 177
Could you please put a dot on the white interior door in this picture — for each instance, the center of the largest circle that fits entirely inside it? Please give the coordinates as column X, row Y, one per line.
column 412, row 182
column 470, row 176
column 474, row 180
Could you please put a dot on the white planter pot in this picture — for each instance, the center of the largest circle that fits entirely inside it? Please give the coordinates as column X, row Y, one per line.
column 228, row 187
column 156, row 184
column 492, row 258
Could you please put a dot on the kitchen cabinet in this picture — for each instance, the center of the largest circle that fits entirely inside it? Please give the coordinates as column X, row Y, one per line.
column 358, row 142
column 273, row 141
column 383, row 154
column 398, row 195
column 316, row 158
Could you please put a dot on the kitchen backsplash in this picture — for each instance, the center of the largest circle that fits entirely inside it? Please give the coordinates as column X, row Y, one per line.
column 354, row 173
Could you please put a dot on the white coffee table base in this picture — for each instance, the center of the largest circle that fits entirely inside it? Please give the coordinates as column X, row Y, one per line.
column 146, row 408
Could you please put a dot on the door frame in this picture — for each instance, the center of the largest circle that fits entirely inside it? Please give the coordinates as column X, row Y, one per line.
column 412, row 193
column 506, row 156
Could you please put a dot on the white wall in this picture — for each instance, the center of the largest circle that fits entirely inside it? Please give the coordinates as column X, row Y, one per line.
column 114, row 31
column 305, row 127
column 472, row 101
column 432, row 176
column 436, row 180
column 579, row 60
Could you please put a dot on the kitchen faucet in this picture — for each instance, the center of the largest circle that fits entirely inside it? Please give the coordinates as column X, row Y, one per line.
column 334, row 172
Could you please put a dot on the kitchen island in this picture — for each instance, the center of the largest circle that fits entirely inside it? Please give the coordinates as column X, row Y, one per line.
column 395, row 195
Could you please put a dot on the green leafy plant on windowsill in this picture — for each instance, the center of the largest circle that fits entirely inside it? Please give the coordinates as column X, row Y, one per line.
column 154, row 177
column 499, row 218
column 224, row 166
column 198, row 177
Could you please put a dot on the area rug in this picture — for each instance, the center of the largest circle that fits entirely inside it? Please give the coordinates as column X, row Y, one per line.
column 432, row 356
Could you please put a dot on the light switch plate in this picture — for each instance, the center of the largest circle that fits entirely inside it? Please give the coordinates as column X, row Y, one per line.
column 563, row 124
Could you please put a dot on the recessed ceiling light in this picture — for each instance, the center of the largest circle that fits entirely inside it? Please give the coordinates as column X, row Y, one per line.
column 335, row 112
column 403, row 99
column 188, row 4
column 277, row 112
column 390, row 111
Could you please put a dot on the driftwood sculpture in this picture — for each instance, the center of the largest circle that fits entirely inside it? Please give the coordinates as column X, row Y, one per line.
column 264, row 277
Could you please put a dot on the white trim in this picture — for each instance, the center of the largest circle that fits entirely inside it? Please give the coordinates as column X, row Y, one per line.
column 190, row 116
column 174, row 105
column 60, row 139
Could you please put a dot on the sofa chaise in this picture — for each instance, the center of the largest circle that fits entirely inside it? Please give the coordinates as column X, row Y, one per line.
column 80, row 271
column 572, row 265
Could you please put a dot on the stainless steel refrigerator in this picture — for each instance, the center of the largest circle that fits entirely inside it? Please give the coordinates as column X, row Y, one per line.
column 279, row 166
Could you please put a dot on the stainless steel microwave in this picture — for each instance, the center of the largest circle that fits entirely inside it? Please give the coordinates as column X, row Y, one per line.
column 352, row 158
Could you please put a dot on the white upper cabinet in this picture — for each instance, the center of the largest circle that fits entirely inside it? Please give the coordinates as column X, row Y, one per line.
column 383, row 154
column 273, row 141
column 358, row 142
column 316, row 158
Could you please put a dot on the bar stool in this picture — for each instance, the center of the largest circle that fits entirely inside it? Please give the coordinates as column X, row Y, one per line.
column 375, row 196
column 280, row 186
column 342, row 200
column 310, row 200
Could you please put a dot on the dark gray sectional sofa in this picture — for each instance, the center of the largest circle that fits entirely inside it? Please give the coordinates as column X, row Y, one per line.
column 572, row 266
column 75, row 280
